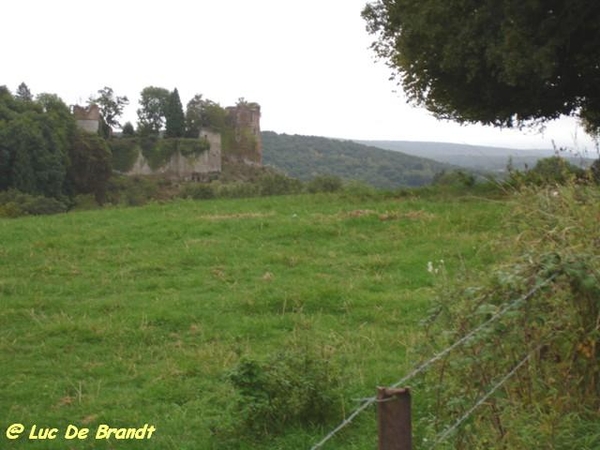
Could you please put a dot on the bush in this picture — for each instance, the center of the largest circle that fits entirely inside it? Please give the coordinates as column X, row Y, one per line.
column 14, row 203
column 128, row 130
column 295, row 387
column 197, row 191
column 558, row 390
column 237, row 190
column 595, row 171
column 43, row 205
column 454, row 178
column 360, row 189
column 276, row 184
column 11, row 210
column 547, row 171
column 85, row 202
column 325, row 183
column 131, row 191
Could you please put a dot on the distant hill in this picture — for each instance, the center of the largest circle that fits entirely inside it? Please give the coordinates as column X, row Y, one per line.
column 305, row 157
column 481, row 158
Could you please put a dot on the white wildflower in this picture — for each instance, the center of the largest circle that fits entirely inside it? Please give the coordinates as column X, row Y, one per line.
column 429, row 267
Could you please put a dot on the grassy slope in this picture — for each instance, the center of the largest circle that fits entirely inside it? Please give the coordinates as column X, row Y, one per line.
column 133, row 316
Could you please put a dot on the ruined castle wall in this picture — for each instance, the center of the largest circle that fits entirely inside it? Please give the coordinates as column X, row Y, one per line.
column 91, row 126
column 213, row 156
column 246, row 143
column 179, row 167
column 184, row 167
column 87, row 118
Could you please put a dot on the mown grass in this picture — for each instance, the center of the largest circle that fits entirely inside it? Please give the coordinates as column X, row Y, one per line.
column 134, row 316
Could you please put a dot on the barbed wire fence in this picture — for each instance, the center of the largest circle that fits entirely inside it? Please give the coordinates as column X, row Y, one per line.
column 367, row 402
column 446, row 433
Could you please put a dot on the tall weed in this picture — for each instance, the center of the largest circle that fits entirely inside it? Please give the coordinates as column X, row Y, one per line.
column 557, row 393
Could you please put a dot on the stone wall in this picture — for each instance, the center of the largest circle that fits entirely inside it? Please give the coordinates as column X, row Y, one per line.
column 247, row 142
column 182, row 167
column 87, row 118
column 215, row 153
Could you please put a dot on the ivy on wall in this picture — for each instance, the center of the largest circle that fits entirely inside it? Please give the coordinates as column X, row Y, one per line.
column 158, row 152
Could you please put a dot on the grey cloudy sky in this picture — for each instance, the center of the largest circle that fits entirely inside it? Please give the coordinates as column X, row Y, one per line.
column 306, row 62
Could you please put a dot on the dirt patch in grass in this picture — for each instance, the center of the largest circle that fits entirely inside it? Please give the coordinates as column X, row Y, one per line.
column 215, row 217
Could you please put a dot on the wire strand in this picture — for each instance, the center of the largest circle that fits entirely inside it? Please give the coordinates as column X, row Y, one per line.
column 421, row 368
column 444, row 435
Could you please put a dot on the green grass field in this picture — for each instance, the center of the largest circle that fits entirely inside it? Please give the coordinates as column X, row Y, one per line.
column 134, row 316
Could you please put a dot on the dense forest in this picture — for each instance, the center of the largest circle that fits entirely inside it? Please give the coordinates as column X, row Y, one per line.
column 305, row 157
column 44, row 153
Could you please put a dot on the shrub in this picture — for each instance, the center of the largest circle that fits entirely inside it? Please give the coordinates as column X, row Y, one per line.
column 455, row 178
column 557, row 326
column 11, row 209
column 547, row 171
column 554, row 170
column 295, row 387
column 131, row 191
column 325, row 183
column 14, row 203
column 237, row 190
column 197, row 191
column 595, row 171
column 43, row 205
column 128, row 130
column 277, row 184
column 84, row 202
column 359, row 189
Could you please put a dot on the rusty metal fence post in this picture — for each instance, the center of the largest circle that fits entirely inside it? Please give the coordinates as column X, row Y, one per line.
column 394, row 419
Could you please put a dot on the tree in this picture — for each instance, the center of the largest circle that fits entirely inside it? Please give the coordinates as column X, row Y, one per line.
column 203, row 113
column 90, row 165
column 194, row 113
column 175, row 119
column 128, row 130
column 215, row 116
column 23, row 93
column 151, row 114
column 111, row 106
column 497, row 62
column 34, row 143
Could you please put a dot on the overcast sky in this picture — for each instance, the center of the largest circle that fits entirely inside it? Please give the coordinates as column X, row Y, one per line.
column 307, row 63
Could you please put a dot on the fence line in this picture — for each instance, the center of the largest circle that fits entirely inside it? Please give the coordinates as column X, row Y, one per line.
column 421, row 368
column 442, row 436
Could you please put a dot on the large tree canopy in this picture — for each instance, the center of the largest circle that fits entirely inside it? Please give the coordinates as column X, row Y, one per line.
column 153, row 105
column 111, row 106
column 42, row 152
column 497, row 62
column 203, row 113
column 34, row 143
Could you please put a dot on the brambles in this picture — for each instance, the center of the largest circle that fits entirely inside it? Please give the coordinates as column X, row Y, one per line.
column 557, row 249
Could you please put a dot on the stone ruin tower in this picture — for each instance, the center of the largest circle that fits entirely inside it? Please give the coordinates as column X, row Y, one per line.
column 245, row 118
column 87, row 118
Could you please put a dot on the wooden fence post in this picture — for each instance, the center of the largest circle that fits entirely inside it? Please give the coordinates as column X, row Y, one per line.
column 394, row 419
